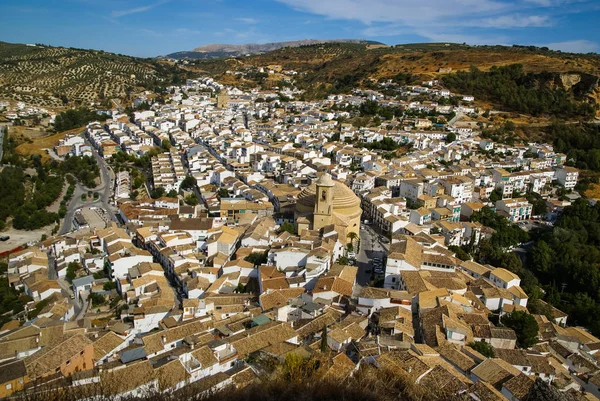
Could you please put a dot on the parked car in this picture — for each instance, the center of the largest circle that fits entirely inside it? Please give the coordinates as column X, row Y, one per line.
column 4, row 238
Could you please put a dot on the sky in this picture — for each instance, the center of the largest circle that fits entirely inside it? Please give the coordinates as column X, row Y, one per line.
column 149, row 28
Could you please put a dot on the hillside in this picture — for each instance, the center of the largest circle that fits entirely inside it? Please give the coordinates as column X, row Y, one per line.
column 58, row 76
column 229, row 50
column 337, row 67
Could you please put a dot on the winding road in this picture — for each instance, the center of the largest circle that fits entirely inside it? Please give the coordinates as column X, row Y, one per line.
column 105, row 188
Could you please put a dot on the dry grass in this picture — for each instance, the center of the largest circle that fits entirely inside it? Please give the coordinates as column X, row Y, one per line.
column 427, row 64
column 38, row 144
column 380, row 46
column 593, row 192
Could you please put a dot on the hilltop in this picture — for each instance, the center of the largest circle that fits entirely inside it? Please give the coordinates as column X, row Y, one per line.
column 58, row 76
column 229, row 50
column 338, row 67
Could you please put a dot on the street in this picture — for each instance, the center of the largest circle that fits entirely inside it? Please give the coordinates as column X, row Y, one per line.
column 65, row 288
column 370, row 247
column 105, row 188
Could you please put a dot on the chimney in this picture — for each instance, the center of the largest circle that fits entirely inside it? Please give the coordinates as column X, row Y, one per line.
column 164, row 339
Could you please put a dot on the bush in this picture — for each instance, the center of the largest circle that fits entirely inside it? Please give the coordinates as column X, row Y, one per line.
column 527, row 93
column 75, row 118
column 525, row 327
column 97, row 299
column 109, row 286
column 483, row 348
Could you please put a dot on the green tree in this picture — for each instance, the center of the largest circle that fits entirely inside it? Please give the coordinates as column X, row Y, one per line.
column 542, row 257
column 483, row 348
column 496, row 195
column 191, row 200
column 352, row 236
column 72, row 268
column 460, row 253
column 342, row 260
column 97, row 299
column 289, row 227
column 223, row 193
column 451, row 137
column 525, row 326
column 157, row 192
column 188, row 182
column 257, row 258
column 166, row 144
column 109, row 286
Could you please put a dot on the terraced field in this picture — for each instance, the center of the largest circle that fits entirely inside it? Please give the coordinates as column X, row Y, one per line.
column 57, row 76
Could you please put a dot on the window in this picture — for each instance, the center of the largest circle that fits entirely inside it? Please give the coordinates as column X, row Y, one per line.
column 9, row 386
column 68, row 362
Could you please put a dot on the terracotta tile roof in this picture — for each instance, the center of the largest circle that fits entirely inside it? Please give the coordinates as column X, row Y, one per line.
column 278, row 298
column 171, row 374
column 261, row 336
column 205, row 356
column 51, row 357
column 154, row 342
column 326, row 319
column 453, row 354
column 495, row 371
column 106, row 344
column 519, row 386
column 486, row 392
column 128, row 378
column 341, row 367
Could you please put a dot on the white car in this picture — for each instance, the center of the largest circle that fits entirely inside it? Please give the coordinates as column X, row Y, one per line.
column 351, row 255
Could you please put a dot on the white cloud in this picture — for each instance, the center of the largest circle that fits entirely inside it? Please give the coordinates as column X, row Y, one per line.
column 516, row 21
column 443, row 20
column 575, row 46
column 457, row 37
column 411, row 12
column 248, row 20
column 188, row 31
column 135, row 10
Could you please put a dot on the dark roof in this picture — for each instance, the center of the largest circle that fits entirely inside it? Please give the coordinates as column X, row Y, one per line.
column 11, row 370
column 133, row 354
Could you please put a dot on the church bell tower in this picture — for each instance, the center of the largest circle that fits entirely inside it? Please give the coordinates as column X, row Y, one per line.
column 323, row 213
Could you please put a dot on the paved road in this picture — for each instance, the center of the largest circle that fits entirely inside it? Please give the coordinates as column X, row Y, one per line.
column 105, row 188
column 53, row 154
column 65, row 288
column 370, row 248
column 85, row 298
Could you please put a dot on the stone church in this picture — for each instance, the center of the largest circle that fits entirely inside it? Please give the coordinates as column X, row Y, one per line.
column 327, row 202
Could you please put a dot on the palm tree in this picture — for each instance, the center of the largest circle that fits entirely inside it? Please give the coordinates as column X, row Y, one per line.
column 352, row 236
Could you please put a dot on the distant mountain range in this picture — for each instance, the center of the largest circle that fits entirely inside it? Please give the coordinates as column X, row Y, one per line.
column 227, row 50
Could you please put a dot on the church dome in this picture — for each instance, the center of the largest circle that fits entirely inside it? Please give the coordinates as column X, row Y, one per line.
column 344, row 200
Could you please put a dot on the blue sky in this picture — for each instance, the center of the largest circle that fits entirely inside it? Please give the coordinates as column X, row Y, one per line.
column 150, row 28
